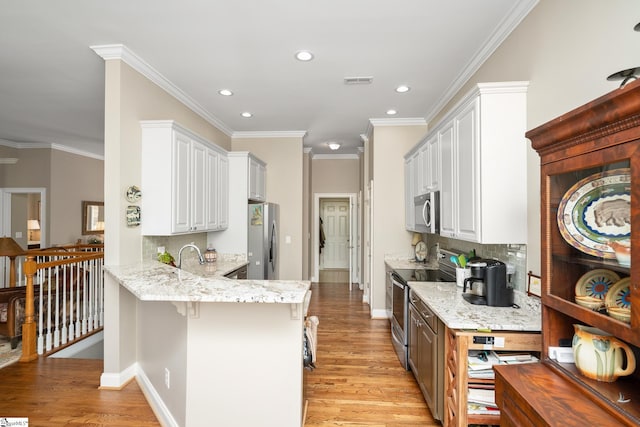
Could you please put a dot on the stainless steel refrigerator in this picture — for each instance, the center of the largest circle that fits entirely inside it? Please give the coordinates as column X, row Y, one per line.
column 263, row 241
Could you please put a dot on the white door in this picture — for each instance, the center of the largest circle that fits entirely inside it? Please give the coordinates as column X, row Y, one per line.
column 335, row 223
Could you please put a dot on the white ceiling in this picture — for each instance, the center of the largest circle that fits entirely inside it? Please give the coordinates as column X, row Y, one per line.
column 52, row 82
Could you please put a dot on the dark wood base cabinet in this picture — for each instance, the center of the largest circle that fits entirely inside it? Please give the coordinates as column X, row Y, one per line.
column 534, row 395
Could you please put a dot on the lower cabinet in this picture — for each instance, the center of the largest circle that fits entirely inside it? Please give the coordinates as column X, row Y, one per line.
column 426, row 353
column 458, row 344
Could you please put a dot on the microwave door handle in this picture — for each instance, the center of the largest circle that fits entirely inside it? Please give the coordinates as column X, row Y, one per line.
column 426, row 213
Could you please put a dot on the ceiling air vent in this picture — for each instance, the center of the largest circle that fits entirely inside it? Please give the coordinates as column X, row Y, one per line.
column 358, row 80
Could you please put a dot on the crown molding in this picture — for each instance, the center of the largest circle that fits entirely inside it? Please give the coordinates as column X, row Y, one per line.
column 519, row 11
column 50, row 146
column 408, row 121
column 121, row 52
column 307, row 150
column 335, row 157
column 270, row 134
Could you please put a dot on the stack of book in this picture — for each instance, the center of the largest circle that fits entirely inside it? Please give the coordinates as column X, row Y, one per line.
column 481, row 392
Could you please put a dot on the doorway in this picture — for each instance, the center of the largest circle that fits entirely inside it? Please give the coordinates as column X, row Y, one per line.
column 336, row 238
column 22, row 218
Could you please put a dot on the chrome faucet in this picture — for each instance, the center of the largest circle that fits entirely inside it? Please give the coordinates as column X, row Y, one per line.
column 190, row 245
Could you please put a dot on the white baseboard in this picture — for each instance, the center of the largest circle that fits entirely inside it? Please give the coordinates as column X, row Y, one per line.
column 119, row 379
column 379, row 314
column 157, row 405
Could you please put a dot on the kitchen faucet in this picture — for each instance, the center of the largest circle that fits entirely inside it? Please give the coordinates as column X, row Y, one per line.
column 190, row 245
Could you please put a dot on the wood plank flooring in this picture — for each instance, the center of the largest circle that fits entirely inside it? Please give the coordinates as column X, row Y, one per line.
column 358, row 380
column 64, row 392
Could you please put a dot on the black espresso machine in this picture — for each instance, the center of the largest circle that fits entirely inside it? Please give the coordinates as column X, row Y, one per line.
column 490, row 275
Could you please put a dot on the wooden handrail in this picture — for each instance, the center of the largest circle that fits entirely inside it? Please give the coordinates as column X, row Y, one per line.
column 31, row 267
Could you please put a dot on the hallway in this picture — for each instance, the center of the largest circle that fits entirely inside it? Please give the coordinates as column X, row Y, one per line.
column 358, row 380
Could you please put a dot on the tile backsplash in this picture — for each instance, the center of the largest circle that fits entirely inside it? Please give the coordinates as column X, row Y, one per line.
column 172, row 244
column 515, row 255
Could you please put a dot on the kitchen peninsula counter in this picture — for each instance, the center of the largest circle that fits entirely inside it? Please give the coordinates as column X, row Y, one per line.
column 155, row 281
column 445, row 299
column 203, row 346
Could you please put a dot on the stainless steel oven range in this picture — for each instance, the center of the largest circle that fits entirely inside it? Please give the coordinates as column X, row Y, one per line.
column 400, row 298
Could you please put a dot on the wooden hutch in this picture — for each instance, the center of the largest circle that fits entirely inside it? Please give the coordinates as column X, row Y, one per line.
column 586, row 155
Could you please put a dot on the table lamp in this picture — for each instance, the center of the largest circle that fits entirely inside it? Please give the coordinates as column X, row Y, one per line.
column 9, row 248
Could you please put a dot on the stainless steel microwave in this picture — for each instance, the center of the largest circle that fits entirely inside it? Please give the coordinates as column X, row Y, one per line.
column 427, row 210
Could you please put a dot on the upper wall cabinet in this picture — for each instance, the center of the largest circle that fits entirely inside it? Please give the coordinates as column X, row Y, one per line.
column 257, row 179
column 482, row 176
column 184, row 181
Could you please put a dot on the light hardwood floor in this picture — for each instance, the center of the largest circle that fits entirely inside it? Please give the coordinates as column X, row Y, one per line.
column 358, row 380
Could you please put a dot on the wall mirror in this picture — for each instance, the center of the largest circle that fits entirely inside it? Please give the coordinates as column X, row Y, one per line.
column 92, row 217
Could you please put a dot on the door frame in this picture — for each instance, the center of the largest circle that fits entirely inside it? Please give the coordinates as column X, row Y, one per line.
column 353, row 243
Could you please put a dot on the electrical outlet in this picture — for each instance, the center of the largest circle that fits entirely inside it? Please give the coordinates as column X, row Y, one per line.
column 192, row 250
column 160, row 249
column 167, row 378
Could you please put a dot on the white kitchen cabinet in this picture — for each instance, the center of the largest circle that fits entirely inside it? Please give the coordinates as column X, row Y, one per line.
column 234, row 238
column 482, row 158
column 223, row 192
column 182, row 181
column 448, row 179
column 409, row 211
column 257, row 179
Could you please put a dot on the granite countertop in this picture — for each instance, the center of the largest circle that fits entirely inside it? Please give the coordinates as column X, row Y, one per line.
column 445, row 299
column 410, row 263
column 155, row 281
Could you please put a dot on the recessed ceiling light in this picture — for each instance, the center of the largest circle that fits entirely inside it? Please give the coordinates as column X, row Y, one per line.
column 304, row 55
column 334, row 145
column 246, row 114
column 391, row 112
column 225, row 92
column 403, row 89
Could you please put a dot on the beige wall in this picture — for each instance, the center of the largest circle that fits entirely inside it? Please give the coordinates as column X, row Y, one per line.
column 129, row 98
column 73, row 179
column 566, row 49
column 68, row 178
column 284, row 158
column 335, row 176
column 390, row 144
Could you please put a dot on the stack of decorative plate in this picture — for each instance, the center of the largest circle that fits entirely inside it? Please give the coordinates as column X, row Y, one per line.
column 592, row 288
column 618, row 300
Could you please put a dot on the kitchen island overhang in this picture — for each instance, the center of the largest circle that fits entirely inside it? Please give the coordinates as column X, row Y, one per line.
column 207, row 350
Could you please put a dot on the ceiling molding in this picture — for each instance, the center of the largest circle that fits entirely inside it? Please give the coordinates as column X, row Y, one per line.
column 121, row 52
column 409, row 121
column 307, row 150
column 519, row 11
column 270, row 134
column 50, row 146
column 335, row 157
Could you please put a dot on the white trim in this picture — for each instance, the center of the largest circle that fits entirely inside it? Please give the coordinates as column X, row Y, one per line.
column 270, row 134
column 119, row 379
column 409, row 121
column 5, row 210
column 121, row 52
column 155, row 401
column 353, row 198
column 380, row 314
column 503, row 30
column 50, row 146
column 80, row 346
column 8, row 161
column 335, row 157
